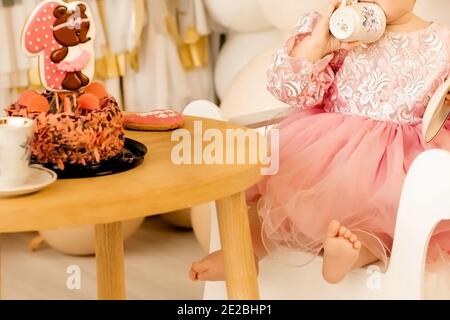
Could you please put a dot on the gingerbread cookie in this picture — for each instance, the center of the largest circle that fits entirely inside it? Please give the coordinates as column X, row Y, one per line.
column 62, row 36
column 156, row 120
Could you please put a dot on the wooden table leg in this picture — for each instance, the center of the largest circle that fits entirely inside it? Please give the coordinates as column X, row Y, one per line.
column 1, row 270
column 240, row 268
column 110, row 261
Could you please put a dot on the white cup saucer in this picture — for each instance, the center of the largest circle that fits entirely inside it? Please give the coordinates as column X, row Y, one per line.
column 39, row 179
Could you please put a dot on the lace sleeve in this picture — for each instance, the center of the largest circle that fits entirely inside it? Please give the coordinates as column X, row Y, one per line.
column 301, row 83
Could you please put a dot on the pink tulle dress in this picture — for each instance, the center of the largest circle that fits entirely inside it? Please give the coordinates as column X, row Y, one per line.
column 345, row 151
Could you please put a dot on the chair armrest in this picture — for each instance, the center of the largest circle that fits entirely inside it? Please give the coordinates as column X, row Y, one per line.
column 424, row 203
column 261, row 119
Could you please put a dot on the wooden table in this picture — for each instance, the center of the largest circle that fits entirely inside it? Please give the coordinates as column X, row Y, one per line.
column 156, row 187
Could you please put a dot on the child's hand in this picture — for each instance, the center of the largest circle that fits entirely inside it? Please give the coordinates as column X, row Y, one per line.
column 323, row 32
column 322, row 42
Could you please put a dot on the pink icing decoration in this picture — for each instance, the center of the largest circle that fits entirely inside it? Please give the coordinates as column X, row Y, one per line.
column 77, row 64
column 156, row 117
column 39, row 39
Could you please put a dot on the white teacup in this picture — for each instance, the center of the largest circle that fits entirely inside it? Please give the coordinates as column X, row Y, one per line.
column 16, row 135
column 359, row 21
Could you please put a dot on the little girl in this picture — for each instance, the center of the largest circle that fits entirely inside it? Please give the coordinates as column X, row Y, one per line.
column 345, row 151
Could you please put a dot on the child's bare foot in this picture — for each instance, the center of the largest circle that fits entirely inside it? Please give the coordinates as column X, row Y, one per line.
column 341, row 252
column 211, row 268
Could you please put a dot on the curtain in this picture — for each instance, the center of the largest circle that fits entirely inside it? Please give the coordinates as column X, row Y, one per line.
column 149, row 53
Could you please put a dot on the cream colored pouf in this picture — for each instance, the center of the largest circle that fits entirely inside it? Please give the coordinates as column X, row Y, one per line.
column 81, row 241
column 239, row 16
column 180, row 219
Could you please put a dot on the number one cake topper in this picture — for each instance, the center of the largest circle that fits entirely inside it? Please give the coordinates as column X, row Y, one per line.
column 62, row 36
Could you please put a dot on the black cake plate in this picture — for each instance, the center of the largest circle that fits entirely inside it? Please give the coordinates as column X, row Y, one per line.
column 132, row 156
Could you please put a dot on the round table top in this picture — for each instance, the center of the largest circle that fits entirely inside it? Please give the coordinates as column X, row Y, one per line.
column 157, row 186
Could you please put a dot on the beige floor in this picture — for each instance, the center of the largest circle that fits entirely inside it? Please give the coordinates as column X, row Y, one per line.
column 157, row 259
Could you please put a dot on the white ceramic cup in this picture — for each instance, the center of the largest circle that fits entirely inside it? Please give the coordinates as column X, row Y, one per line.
column 15, row 136
column 359, row 21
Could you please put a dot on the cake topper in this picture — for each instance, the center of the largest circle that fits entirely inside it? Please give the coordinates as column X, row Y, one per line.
column 62, row 36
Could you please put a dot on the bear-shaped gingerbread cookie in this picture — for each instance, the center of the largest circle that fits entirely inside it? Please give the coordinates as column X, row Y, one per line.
column 70, row 29
column 62, row 35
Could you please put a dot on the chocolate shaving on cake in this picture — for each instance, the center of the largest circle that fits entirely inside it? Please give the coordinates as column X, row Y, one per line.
column 84, row 137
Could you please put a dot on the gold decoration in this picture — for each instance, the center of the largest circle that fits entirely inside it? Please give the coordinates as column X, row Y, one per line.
column 34, row 80
column 192, row 36
column 193, row 49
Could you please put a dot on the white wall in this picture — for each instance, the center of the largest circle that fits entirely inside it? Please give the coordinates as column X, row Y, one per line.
column 434, row 10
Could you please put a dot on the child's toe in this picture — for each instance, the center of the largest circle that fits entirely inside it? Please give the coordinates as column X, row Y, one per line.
column 201, row 266
column 193, row 275
column 333, row 229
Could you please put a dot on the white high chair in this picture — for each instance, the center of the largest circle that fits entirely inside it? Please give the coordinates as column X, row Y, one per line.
column 424, row 203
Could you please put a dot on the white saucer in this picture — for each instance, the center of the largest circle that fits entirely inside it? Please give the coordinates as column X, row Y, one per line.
column 39, row 179
column 437, row 113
